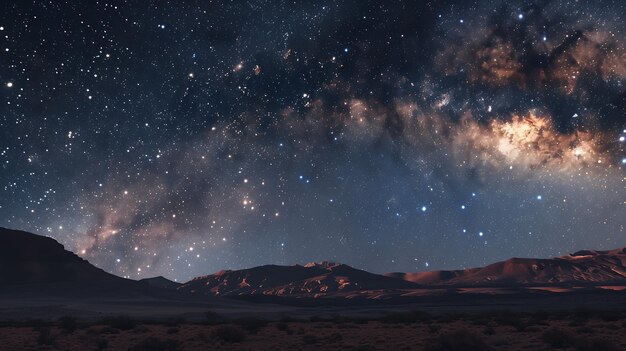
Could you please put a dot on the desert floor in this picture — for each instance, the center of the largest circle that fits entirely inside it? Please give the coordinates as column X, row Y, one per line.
column 575, row 330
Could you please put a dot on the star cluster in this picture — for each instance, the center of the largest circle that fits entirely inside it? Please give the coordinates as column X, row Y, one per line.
column 178, row 138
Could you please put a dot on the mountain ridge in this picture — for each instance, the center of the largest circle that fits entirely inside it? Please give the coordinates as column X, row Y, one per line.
column 28, row 259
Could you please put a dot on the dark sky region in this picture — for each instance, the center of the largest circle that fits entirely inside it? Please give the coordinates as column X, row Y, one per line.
column 179, row 138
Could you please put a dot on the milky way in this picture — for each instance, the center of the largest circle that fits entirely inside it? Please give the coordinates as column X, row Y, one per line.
column 180, row 138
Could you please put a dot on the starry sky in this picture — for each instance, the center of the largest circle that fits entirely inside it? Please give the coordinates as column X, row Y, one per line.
column 179, row 138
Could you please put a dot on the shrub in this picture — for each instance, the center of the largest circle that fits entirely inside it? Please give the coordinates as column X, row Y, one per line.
column 610, row 315
column 309, row 339
column 585, row 330
column 120, row 322
column 557, row 338
column 102, row 344
column 45, row 336
column 480, row 321
column 364, row 348
column 140, row 329
column 68, row 324
column 434, row 328
column 172, row 330
column 595, row 345
column 154, row 344
column 578, row 321
column 460, row 340
column 109, row 330
column 333, row 338
column 489, row 330
column 251, row 325
column 282, row 326
column 229, row 333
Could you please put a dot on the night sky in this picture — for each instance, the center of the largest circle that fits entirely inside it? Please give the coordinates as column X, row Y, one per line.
column 179, row 138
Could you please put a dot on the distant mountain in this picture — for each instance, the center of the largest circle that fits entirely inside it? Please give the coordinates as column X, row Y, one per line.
column 161, row 282
column 35, row 265
column 310, row 280
column 40, row 265
column 329, row 279
column 586, row 267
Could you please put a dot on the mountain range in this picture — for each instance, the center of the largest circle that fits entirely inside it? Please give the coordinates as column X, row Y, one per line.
column 35, row 263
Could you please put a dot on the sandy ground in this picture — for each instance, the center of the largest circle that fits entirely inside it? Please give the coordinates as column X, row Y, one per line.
column 577, row 331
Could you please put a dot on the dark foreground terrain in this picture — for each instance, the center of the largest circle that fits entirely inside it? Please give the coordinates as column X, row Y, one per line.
column 565, row 330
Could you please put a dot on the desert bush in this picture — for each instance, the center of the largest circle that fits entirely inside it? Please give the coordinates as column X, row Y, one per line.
column 610, row 315
column 102, row 344
column 480, row 321
column 533, row 329
column 585, row 330
column 229, row 333
column 119, row 322
column 489, row 330
column 538, row 320
column 68, row 324
column 109, row 330
column 45, row 336
column 578, row 321
column 609, row 326
column 155, row 344
column 595, row 345
column 141, row 329
column 558, row 339
column 173, row 330
column 309, row 339
column 251, row 325
column 434, row 328
column 282, row 326
column 333, row 338
column 364, row 348
column 460, row 340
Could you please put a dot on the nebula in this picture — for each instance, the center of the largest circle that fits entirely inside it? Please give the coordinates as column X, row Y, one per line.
column 192, row 137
